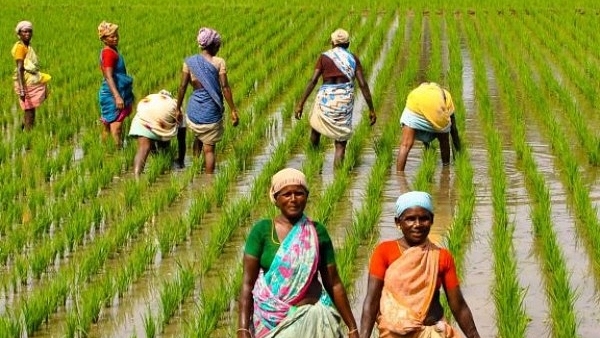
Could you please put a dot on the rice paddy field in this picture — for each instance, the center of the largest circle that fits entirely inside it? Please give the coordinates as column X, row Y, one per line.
column 86, row 250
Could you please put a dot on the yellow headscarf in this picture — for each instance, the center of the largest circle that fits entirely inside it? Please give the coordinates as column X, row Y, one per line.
column 106, row 29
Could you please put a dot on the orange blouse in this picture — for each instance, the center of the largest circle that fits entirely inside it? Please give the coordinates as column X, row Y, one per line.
column 387, row 252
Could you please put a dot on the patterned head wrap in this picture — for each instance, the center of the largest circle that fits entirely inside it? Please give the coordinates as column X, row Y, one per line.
column 23, row 25
column 208, row 36
column 413, row 199
column 106, row 29
column 340, row 36
column 285, row 177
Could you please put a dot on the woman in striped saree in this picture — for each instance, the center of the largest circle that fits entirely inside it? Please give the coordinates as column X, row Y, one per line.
column 332, row 112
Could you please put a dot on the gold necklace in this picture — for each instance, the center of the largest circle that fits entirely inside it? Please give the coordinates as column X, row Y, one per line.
column 273, row 232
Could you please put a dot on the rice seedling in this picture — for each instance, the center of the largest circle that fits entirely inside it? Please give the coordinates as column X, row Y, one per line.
column 151, row 327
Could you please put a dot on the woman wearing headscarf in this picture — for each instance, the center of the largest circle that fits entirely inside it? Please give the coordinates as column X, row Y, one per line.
column 29, row 82
column 405, row 276
column 332, row 112
column 116, row 92
column 283, row 259
column 207, row 74
column 428, row 114
column 156, row 121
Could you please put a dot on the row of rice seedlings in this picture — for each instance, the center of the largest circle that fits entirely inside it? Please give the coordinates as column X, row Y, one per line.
column 90, row 262
column 117, row 282
column 208, row 317
column 559, row 290
column 173, row 293
column 364, row 226
column 26, row 175
column 77, row 226
column 575, row 184
column 508, row 295
column 461, row 231
column 50, row 212
column 574, row 43
column 574, row 115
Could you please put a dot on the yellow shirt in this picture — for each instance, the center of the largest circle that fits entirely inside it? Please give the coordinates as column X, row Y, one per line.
column 432, row 102
column 19, row 51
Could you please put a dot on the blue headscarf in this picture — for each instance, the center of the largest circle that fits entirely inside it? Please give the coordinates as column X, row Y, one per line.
column 413, row 199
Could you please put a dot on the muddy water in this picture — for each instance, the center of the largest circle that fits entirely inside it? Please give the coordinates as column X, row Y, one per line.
column 477, row 269
column 586, row 305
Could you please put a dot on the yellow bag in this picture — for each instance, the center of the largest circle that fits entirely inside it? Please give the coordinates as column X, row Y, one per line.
column 44, row 78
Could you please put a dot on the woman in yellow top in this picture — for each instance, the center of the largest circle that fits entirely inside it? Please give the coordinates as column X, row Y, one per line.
column 428, row 114
column 30, row 83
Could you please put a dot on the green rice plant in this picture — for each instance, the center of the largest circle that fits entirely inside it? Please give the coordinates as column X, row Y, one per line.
column 72, row 325
column 150, row 325
column 213, row 302
column 9, row 327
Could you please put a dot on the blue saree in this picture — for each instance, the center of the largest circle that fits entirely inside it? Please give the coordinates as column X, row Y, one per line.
column 205, row 105
column 124, row 83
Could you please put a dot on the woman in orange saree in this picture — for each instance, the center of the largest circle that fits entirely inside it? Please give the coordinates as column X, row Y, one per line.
column 405, row 276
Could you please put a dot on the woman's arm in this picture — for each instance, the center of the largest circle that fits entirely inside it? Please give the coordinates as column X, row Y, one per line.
column 364, row 88
column 108, row 75
column 183, row 83
column 21, row 78
column 334, row 287
column 408, row 139
column 309, row 88
column 461, row 312
column 228, row 95
column 246, row 302
column 370, row 306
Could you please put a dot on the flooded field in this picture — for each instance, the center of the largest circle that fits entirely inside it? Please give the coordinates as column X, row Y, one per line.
column 88, row 250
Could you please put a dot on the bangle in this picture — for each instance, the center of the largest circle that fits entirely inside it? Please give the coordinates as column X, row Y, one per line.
column 352, row 331
column 246, row 330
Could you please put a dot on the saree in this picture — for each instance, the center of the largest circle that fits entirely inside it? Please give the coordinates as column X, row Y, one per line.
column 108, row 109
column 409, row 286
column 315, row 321
column 433, row 104
column 210, row 133
column 332, row 112
column 35, row 81
column 424, row 130
column 205, row 105
column 155, row 118
column 286, row 283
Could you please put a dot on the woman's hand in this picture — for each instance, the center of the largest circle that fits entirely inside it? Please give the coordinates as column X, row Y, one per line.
column 235, row 118
column 178, row 115
column 119, row 102
column 298, row 112
column 372, row 117
column 22, row 94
